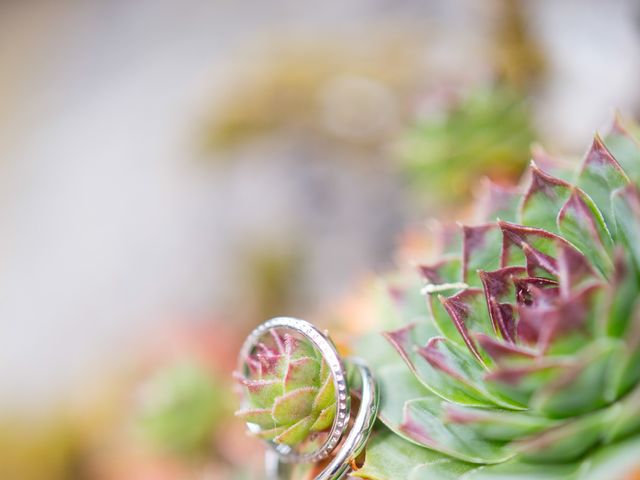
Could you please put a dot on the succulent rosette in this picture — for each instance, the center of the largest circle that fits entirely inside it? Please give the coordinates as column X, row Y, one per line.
column 289, row 391
column 524, row 360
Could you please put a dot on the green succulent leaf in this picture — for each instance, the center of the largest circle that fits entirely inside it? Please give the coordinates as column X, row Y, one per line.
column 497, row 201
column 600, row 175
column 482, row 248
column 626, row 209
column 389, row 456
column 181, row 405
column 582, row 224
column 544, row 200
column 625, row 148
column 423, row 424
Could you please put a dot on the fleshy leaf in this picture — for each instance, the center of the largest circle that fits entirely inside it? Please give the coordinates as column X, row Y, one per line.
column 505, row 353
column 446, row 270
column 575, row 273
column 625, row 148
column 619, row 462
column 390, row 457
column 450, row 371
column 294, row 405
column 622, row 296
column 263, row 393
column 299, row 372
column 623, row 418
column 440, row 317
column 497, row 425
column 296, row 433
column 497, row 202
column 600, row 175
column 261, row 417
column 423, row 424
column 270, row 434
column 519, row 470
column 624, row 372
column 441, row 367
column 626, row 207
column 580, row 388
column 442, row 469
column 295, row 348
column 397, row 386
column 500, row 292
column 582, row 224
column 325, row 418
column 564, row 443
column 544, row 199
column 326, row 394
column 520, row 382
column 538, row 246
column 499, row 284
column 468, row 312
column 482, row 248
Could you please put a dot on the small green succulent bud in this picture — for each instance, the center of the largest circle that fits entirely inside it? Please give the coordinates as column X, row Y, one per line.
column 180, row 406
column 290, row 390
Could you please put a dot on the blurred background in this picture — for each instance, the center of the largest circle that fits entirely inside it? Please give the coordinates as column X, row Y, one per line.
column 173, row 172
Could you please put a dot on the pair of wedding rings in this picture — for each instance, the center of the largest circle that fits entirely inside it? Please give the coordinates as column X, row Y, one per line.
column 347, row 436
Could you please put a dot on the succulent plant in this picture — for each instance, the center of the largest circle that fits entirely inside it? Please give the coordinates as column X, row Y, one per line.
column 289, row 389
column 181, row 408
column 485, row 131
column 524, row 363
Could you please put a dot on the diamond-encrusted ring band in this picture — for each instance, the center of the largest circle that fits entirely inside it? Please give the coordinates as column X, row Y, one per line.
column 280, row 457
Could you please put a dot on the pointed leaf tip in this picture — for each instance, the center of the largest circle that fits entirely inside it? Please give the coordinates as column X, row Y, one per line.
column 582, row 224
column 446, row 270
column 401, row 340
column 496, row 201
column 499, row 283
column 599, row 176
column 543, row 200
column 438, row 360
column 481, row 251
column 500, row 351
column 467, row 312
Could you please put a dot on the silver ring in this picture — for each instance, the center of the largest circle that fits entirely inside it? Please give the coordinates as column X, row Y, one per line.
column 278, row 457
column 330, row 354
column 353, row 444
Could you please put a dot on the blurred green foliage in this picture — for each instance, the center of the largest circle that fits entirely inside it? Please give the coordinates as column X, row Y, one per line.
column 487, row 133
column 182, row 407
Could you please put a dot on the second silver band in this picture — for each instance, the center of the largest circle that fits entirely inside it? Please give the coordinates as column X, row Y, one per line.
column 354, row 442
